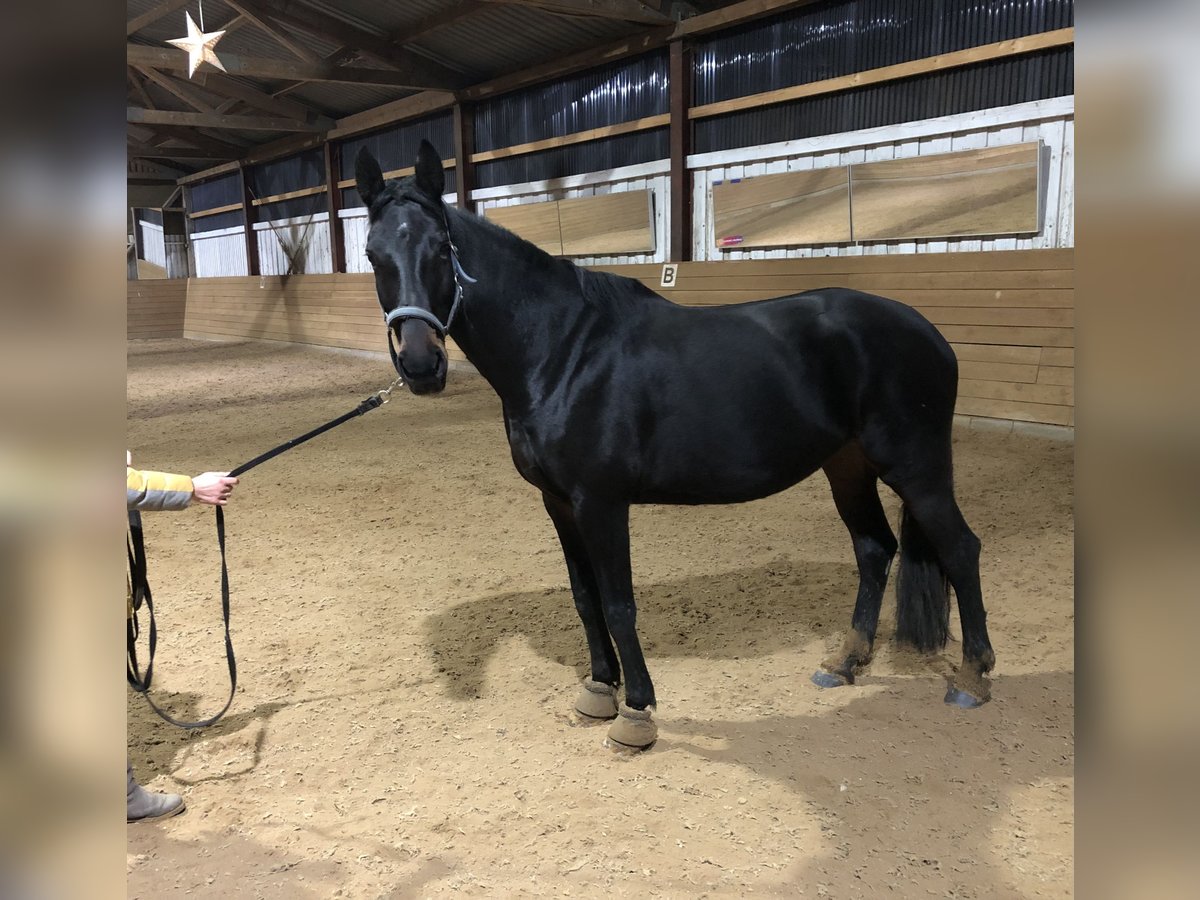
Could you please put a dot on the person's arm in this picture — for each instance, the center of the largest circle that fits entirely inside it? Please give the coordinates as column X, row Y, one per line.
column 162, row 490
column 156, row 490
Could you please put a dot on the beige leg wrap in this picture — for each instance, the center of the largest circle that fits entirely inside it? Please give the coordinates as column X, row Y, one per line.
column 634, row 729
column 597, row 701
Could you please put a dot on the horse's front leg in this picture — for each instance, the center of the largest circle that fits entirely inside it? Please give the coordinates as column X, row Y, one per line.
column 604, row 528
column 598, row 699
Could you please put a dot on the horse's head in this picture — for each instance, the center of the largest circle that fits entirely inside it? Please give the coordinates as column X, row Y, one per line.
column 409, row 248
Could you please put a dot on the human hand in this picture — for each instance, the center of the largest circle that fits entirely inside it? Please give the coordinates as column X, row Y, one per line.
column 213, row 488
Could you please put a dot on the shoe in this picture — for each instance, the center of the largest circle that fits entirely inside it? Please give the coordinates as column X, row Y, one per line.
column 143, row 804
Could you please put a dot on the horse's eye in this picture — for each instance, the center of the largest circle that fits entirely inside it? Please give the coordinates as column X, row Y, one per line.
column 444, row 249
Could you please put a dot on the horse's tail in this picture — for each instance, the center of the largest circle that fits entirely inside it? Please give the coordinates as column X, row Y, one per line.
column 922, row 590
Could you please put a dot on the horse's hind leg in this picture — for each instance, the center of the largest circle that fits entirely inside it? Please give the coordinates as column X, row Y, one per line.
column 856, row 494
column 598, row 698
column 937, row 520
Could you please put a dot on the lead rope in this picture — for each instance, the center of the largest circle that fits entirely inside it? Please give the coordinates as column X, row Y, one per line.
column 140, row 586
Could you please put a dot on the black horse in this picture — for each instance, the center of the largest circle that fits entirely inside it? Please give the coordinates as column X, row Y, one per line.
column 613, row 395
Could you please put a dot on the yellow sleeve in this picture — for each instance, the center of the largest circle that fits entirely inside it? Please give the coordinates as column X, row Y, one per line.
column 156, row 490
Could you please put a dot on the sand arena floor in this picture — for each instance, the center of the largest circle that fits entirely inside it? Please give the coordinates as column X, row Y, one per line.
column 409, row 652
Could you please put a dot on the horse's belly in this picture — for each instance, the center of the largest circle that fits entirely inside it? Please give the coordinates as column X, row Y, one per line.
column 718, row 471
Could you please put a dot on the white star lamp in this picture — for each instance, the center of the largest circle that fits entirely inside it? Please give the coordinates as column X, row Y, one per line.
column 199, row 46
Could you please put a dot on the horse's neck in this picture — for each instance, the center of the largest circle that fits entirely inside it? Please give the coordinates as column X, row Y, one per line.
column 508, row 316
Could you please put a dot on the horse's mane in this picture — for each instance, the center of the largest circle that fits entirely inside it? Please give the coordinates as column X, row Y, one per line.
column 602, row 290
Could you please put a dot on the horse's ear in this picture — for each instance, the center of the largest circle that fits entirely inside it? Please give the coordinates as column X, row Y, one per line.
column 368, row 175
column 430, row 177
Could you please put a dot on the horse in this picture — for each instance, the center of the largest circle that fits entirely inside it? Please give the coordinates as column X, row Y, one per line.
column 613, row 395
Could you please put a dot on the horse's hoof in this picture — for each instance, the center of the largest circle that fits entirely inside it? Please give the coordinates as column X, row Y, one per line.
column 633, row 731
column 963, row 700
column 597, row 703
column 823, row 678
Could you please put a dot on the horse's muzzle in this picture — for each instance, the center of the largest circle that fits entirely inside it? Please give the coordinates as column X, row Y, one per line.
column 422, row 358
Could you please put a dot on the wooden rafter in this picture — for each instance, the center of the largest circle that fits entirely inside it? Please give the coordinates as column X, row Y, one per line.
column 279, row 106
column 145, row 151
column 255, row 15
column 199, row 139
column 622, row 10
column 438, row 20
column 213, row 120
column 336, row 58
column 183, row 91
column 140, row 89
column 377, row 46
column 735, row 14
column 170, row 59
column 152, row 15
column 556, row 68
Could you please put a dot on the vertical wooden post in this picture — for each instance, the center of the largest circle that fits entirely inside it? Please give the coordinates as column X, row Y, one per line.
column 337, row 242
column 188, row 230
column 137, row 242
column 464, row 146
column 252, row 264
column 681, row 146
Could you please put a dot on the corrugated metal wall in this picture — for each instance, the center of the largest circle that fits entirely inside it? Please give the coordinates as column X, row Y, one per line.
column 220, row 191
column 833, row 39
column 631, row 89
column 304, row 170
column 396, row 148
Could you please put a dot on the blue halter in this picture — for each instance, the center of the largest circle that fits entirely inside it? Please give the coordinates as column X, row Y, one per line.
column 416, row 312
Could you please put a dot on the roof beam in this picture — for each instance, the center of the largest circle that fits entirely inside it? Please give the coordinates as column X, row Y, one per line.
column 143, row 151
column 735, row 14
column 279, row 106
column 140, row 89
column 173, row 60
column 152, row 15
column 622, row 10
column 438, row 20
column 377, row 46
column 252, row 13
column 650, row 39
column 197, row 138
column 183, row 91
column 214, row 120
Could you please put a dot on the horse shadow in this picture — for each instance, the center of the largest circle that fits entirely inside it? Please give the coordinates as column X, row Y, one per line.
column 744, row 613
column 907, row 795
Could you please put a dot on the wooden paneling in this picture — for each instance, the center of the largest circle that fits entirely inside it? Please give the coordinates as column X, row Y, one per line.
column 1015, row 356
column 992, row 190
column 601, row 225
column 1008, row 315
column 155, row 309
column 148, row 271
column 779, row 210
column 320, row 310
column 607, row 224
column 536, row 222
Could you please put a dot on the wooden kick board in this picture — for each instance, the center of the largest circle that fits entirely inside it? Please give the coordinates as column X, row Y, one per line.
column 607, row 224
column 780, row 210
column 584, row 226
column 536, row 222
column 993, row 190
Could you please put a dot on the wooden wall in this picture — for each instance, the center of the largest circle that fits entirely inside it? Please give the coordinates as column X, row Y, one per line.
column 323, row 310
column 155, row 308
column 1009, row 316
